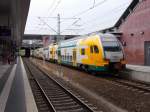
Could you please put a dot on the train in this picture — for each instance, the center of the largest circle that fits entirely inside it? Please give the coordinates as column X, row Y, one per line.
column 96, row 53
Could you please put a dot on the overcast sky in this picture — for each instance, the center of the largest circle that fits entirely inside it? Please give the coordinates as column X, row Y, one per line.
column 76, row 16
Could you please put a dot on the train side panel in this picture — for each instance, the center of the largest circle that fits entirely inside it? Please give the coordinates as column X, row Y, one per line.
column 67, row 51
column 46, row 53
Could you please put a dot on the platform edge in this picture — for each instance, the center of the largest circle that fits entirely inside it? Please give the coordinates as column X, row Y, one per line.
column 29, row 98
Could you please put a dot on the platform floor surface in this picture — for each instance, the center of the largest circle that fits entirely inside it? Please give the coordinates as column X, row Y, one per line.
column 12, row 88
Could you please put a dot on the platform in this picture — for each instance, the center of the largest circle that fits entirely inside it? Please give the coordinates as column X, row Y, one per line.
column 137, row 72
column 139, row 68
column 15, row 92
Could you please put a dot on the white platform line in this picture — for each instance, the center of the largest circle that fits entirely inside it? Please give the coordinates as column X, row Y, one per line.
column 30, row 102
column 6, row 90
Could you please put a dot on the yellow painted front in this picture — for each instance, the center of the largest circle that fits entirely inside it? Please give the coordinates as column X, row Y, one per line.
column 50, row 51
column 54, row 51
column 95, row 59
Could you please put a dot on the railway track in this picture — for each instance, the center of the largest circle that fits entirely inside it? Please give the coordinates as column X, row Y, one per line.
column 50, row 96
column 134, row 85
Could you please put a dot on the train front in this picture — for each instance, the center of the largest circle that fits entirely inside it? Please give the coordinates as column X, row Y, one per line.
column 113, row 52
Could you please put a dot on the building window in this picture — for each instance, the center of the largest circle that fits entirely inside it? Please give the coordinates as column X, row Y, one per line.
column 132, row 34
column 82, row 51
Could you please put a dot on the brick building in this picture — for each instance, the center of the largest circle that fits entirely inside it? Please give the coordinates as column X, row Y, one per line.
column 133, row 29
column 136, row 34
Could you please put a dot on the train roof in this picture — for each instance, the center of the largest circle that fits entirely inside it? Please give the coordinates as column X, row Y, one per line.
column 72, row 42
column 84, row 36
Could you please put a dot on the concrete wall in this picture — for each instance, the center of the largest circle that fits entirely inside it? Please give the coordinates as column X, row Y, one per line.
column 136, row 30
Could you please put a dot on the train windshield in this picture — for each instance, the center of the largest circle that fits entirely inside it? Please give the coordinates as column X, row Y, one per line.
column 111, row 46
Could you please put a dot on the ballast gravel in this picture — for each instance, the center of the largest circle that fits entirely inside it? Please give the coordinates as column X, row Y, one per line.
column 123, row 97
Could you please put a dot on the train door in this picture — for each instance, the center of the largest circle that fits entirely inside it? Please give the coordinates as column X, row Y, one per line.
column 53, row 53
column 59, row 55
column 74, row 58
column 91, row 54
column 147, row 53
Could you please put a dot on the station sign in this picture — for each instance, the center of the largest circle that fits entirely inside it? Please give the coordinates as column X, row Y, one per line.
column 5, row 31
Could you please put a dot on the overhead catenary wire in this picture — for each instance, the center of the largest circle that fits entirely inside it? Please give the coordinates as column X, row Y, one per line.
column 116, row 9
column 108, row 12
column 71, row 25
column 102, row 22
column 47, row 25
column 90, row 8
column 93, row 3
column 76, row 20
column 48, row 17
column 55, row 7
column 52, row 4
column 80, row 13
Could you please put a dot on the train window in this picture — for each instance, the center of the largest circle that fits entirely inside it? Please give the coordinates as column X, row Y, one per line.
column 96, row 49
column 50, row 52
column 67, row 58
column 70, row 58
column 111, row 46
column 91, row 49
column 82, row 51
column 64, row 57
column 59, row 53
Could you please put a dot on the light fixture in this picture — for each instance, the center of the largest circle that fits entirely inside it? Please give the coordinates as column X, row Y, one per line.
column 142, row 32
